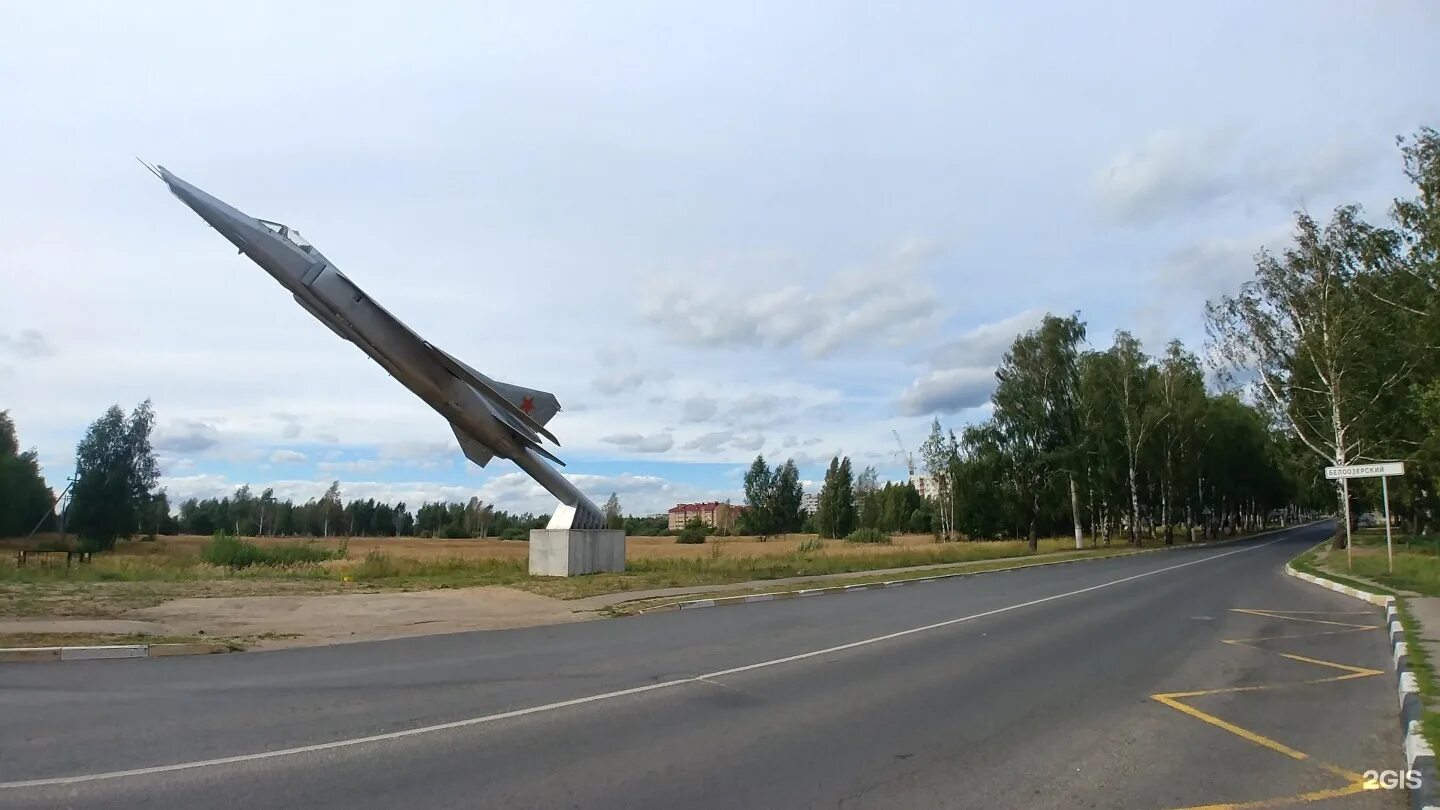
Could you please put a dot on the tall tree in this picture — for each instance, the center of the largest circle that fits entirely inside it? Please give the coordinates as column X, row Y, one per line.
column 115, row 471
column 786, row 495
column 936, row 455
column 844, row 498
column 266, row 507
column 867, row 498
column 1181, row 391
column 25, row 500
column 826, row 509
column 613, row 518
column 1104, row 443
column 759, row 518
column 1311, row 338
column 1037, row 412
column 330, row 503
column 1133, row 395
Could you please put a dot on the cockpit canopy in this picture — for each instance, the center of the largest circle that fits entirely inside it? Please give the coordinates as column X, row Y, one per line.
column 289, row 233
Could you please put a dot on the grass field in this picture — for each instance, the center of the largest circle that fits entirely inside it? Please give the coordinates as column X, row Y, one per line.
column 138, row 573
column 1417, row 561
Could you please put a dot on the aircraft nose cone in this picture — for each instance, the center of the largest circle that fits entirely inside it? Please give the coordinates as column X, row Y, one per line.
column 220, row 216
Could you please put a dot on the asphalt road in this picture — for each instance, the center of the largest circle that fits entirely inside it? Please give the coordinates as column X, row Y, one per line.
column 1025, row 689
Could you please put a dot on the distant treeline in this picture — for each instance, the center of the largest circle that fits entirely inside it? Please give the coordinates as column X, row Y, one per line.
column 247, row 514
column 264, row 515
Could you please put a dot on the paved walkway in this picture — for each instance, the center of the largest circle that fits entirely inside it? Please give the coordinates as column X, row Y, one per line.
column 1426, row 610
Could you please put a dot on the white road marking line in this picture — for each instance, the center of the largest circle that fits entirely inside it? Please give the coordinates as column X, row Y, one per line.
column 490, row 718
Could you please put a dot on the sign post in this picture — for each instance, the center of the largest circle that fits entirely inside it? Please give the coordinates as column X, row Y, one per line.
column 1383, row 471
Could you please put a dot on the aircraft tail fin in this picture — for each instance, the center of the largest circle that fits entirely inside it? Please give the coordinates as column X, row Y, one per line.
column 540, row 406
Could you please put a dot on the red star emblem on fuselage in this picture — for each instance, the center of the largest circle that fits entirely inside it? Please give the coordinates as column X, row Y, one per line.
column 527, row 405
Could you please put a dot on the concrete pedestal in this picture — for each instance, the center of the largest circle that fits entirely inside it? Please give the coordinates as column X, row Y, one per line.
column 569, row 552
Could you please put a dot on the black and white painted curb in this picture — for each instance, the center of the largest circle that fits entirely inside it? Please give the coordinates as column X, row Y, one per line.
column 720, row 601
column 35, row 655
column 1419, row 755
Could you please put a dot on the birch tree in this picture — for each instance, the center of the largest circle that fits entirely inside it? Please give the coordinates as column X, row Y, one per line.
column 1132, row 385
column 1301, row 328
column 1181, row 388
column 935, row 458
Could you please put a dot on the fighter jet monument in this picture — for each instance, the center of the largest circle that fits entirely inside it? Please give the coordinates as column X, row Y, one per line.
column 489, row 418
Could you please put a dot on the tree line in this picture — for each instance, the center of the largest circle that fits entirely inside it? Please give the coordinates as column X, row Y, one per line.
column 1328, row 355
column 1341, row 332
column 264, row 515
column 774, row 502
column 1105, row 442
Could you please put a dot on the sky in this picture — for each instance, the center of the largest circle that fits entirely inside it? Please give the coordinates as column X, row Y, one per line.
column 712, row 230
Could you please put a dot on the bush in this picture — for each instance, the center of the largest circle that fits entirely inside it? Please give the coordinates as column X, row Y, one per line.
column 693, row 533
column 376, row 565
column 869, row 536
column 231, row 552
column 515, row 533
column 810, row 545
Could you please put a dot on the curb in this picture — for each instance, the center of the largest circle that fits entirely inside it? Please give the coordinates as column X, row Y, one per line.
column 1419, row 754
column 16, row 655
column 721, row 601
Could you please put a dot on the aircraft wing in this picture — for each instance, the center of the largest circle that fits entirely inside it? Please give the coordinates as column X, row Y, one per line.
column 475, row 451
column 481, row 455
column 497, row 399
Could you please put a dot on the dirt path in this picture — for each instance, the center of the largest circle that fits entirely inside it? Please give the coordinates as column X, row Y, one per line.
column 341, row 618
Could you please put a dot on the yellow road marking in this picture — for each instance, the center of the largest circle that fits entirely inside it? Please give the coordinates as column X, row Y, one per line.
column 1285, row 801
column 1245, row 642
column 1358, row 672
column 1321, row 612
column 1354, row 781
column 1258, row 739
column 1274, row 614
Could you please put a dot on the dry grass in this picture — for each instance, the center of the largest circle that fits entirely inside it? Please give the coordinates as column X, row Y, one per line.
column 92, row 599
column 636, row 548
column 140, row 574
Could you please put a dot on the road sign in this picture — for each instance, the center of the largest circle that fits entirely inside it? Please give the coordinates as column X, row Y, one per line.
column 1366, row 470
column 1383, row 471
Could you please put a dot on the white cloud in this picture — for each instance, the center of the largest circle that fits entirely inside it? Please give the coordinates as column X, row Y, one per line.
column 712, row 442
column 1219, row 264
column 1168, row 172
column 698, row 408
column 639, row 443
column 948, row 390
column 987, row 343
column 618, row 382
column 1174, row 173
column 886, row 303
column 419, row 452
column 364, row 466
column 288, row 457
column 962, row 372
column 27, row 344
column 719, row 440
column 185, row 436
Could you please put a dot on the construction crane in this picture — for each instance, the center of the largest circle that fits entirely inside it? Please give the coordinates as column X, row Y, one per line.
column 909, row 459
